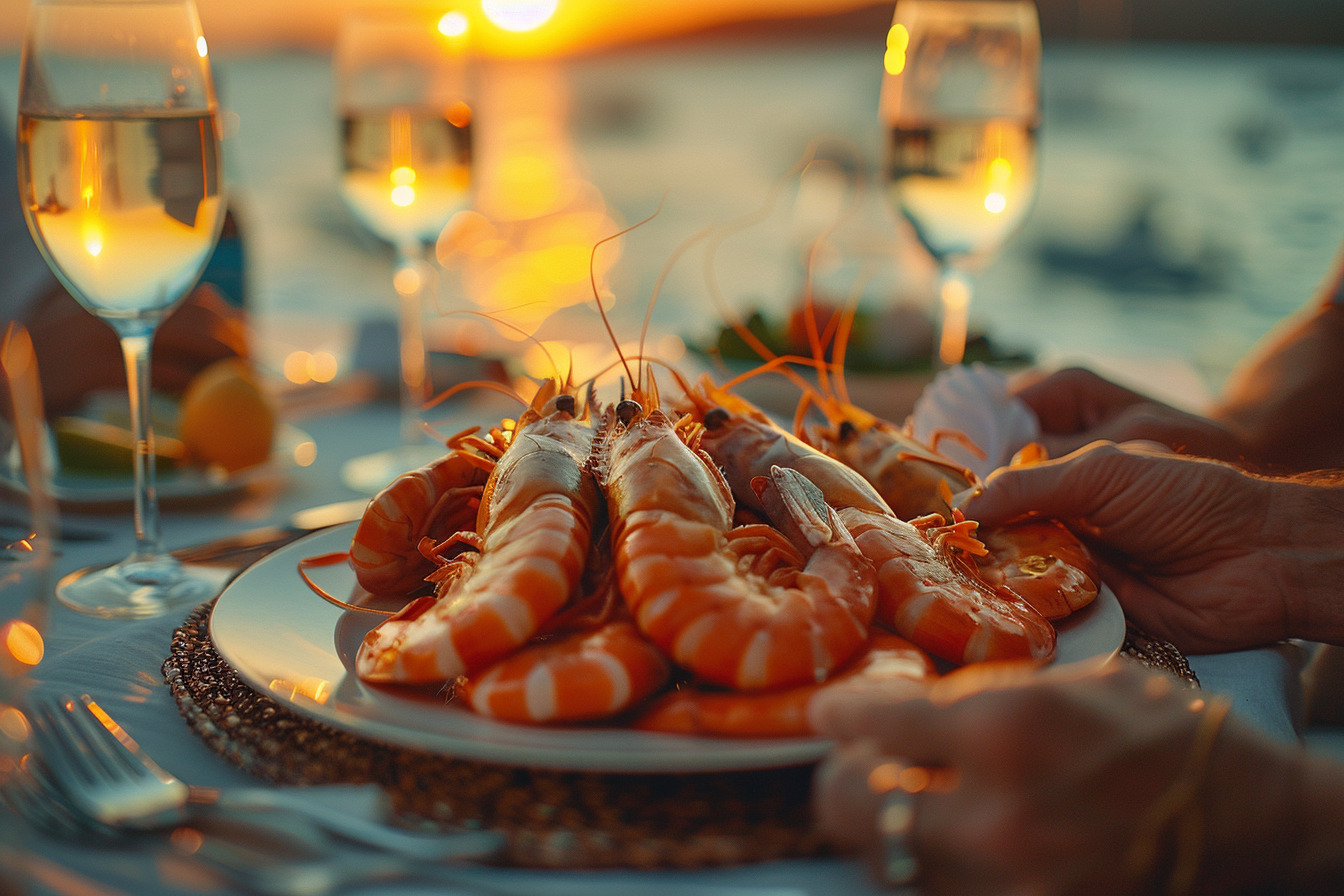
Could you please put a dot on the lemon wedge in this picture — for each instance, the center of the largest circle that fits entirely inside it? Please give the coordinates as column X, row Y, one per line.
column 226, row 418
column 87, row 446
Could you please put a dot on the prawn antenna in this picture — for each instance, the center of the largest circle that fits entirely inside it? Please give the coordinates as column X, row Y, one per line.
column 476, row 384
column 846, row 325
column 494, row 319
column 592, row 278
column 816, row 342
column 658, row 286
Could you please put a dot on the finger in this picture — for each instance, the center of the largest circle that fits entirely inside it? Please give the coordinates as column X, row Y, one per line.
column 901, row 725
column 1075, row 400
column 844, row 802
column 1049, row 488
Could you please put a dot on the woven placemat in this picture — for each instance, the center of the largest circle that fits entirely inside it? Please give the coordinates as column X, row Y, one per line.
column 552, row 819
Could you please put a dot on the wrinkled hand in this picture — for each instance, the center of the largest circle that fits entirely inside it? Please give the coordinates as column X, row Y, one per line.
column 203, row 329
column 1200, row 553
column 1053, row 772
column 1076, row 407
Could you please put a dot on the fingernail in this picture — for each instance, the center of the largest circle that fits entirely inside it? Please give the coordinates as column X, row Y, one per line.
column 960, row 498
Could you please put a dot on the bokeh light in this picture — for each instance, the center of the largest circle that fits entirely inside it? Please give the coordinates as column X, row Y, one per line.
column 519, row 15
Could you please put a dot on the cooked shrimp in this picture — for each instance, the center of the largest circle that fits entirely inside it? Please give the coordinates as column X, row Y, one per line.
column 671, row 516
column 925, row 592
column 535, row 523
column 779, row 713
column 583, row 675
column 432, row 502
column 1042, row 561
column 912, row 477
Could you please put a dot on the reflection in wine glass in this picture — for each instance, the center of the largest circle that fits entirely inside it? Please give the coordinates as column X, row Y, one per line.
column 119, row 174
column 961, row 99
column 26, row 582
column 406, row 154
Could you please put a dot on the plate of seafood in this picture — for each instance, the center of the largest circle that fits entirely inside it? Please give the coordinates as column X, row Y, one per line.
column 634, row 589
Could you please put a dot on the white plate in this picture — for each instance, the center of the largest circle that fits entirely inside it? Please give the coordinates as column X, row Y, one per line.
column 288, row 643
column 184, row 486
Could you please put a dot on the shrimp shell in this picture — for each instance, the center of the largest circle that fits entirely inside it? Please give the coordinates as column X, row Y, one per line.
column 534, row 528
column 583, row 675
column 780, row 713
column 671, row 516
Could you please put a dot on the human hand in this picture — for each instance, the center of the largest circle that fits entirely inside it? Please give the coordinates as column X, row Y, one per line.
column 1076, row 407
column 1199, row 553
column 1051, row 775
column 203, row 329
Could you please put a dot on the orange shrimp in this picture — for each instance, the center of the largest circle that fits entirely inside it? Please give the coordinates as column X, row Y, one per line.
column 1040, row 560
column 1044, row 563
column 583, row 675
column 928, row 589
column 534, row 528
column 779, row 713
column 671, row 515
column 432, row 502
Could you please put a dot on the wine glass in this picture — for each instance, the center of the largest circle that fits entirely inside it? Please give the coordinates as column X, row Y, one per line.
column 26, row 561
column 961, row 100
column 119, row 175
column 406, row 153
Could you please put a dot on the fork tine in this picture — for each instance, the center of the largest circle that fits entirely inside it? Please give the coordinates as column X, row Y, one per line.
column 29, row 798
column 75, row 746
column 117, row 758
column 57, row 743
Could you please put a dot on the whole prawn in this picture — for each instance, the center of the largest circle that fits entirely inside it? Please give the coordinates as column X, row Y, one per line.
column 781, row 712
column 433, row 502
column 671, row 515
column 538, row 510
column 928, row 588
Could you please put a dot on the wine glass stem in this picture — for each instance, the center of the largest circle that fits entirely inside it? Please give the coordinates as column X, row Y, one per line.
column 954, row 297
column 410, row 279
column 135, row 346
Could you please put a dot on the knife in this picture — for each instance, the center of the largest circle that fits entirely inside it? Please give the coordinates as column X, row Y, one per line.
column 247, row 547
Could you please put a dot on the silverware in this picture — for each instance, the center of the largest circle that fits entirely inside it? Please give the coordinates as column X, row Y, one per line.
column 260, row 871
column 247, row 547
column 103, row 771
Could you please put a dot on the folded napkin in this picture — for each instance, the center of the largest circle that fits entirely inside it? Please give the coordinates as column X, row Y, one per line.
column 974, row 401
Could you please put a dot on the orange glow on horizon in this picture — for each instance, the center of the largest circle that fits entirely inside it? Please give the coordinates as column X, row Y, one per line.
column 519, row 15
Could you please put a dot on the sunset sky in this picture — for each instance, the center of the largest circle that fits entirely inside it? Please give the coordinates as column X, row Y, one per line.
column 240, row 26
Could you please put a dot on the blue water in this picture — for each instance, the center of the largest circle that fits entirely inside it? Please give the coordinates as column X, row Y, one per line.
column 1232, row 156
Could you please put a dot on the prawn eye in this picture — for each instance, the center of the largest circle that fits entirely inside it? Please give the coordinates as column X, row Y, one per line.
column 627, row 410
column 565, row 403
column 847, row 431
column 715, row 418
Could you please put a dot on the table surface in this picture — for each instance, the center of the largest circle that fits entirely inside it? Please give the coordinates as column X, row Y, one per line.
column 118, row 663
column 1238, row 149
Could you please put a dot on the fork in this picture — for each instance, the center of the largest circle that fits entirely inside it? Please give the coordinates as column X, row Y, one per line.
column 105, row 773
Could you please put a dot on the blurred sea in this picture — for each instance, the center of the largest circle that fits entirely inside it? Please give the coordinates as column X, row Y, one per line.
column 1191, row 196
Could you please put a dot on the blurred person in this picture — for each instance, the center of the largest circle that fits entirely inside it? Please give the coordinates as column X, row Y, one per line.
column 79, row 354
column 1282, row 409
column 1062, row 781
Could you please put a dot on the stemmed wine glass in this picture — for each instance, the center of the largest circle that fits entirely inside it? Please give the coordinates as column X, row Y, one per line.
column 119, row 175
column 961, row 100
column 406, row 153
column 26, row 563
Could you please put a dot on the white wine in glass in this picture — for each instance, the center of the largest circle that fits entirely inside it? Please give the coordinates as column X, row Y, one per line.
column 961, row 105
column 119, row 176
column 406, row 169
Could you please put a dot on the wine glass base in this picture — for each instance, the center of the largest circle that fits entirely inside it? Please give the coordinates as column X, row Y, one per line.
column 371, row 473
column 137, row 589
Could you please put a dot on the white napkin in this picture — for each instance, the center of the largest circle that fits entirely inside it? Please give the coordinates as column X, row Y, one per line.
column 974, row 400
